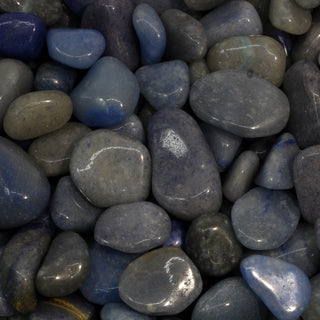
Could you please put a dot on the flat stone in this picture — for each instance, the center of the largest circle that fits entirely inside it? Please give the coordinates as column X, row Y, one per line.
column 107, row 95
column 283, row 287
column 161, row 282
column 37, row 113
column 197, row 69
column 203, row 5
column 308, row 4
column 165, row 84
column 261, row 55
column 212, row 244
column 312, row 311
column 177, row 236
column 265, row 219
column 109, row 168
column 185, row 177
column 229, row 299
column 240, row 102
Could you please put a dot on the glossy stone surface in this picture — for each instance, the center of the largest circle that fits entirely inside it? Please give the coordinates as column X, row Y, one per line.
column 186, row 37
column 233, row 18
column 22, row 35
column 197, row 69
column 265, row 219
column 229, row 299
column 203, row 5
column 151, row 33
column 109, row 168
column 240, row 176
column 312, row 312
column 185, row 177
column 161, row 282
column 240, row 102
column 24, row 191
column 115, row 15
column 283, row 287
column 165, row 84
column 37, row 113
column 106, row 267
column 260, row 55
column 308, row 4
column 286, row 15
column 177, row 236
column 53, row 151
column 107, row 95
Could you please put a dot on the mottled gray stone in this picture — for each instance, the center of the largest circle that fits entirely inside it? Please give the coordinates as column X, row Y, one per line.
column 308, row 4
column 312, row 312
column 161, row 282
column 197, row 69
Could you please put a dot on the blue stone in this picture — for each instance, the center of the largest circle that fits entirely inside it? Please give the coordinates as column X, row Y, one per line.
column 265, row 219
column 165, row 84
column 22, row 35
column 77, row 6
column 151, row 33
column 283, row 287
column 177, row 236
column 312, row 312
column 277, row 170
column 76, row 48
column 107, row 95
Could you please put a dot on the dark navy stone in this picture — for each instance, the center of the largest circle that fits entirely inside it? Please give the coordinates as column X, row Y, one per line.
column 283, row 287
column 22, row 36
column 78, row 6
column 177, row 236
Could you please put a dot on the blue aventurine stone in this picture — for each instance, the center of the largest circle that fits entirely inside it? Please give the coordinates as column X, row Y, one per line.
column 177, row 236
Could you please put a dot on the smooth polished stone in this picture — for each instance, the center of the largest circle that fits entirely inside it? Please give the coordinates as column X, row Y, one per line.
column 312, row 312
column 239, row 178
column 283, row 287
column 306, row 173
column 286, row 15
column 65, row 266
column 262, row 7
column 240, row 102
column 116, row 15
column 197, row 69
column 16, row 80
column 37, row 113
column 265, row 219
column 20, row 261
column 277, row 170
column 76, row 48
column 177, row 236
column 77, row 6
column 133, row 228
column 203, row 5
column 185, row 177
column 25, row 190
column 22, row 36
column 52, row 152
column 109, row 168
column 261, row 55
column 107, row 95
column 186, row 37
column 161, row 282
column 151, row 33
column 308, row 4
column 212, row 244
column 229, row 299
column 233, row 18
column 106, row 267
column 165, row 84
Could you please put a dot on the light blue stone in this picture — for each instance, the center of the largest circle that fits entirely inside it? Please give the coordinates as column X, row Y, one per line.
column 76, row 48
column 283, row 287
column 107, row 95
column 151, row 33
column 165, row 84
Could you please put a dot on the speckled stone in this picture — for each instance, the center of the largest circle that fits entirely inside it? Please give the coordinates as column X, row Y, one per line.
column 185, row 177
column 265, row 219
column 229, row 299
column 203, row 5
column 197, row 69
column 212, row 244
column 312, row 312
column 308, row 4
column 37, row 113
column 161, row 282
column 240, row 102
column 177, row 236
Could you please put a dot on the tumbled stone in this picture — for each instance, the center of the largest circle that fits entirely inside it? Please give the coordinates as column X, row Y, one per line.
column 229, row 299
column 282, row 287
column 109, row 168
column 212, row 244
column 177, row 236
column 107, row 95
column 165, row 84
column 203, row 5
column 312, row 311
column 240, row 102
column 260, row 55
column 37, row 113
column 265, row 219
column 262, row 7
column 161, row 282
column 308, row 4
column 185, row 177
column 197, row 69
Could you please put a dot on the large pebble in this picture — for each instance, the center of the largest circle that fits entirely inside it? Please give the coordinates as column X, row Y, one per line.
column 240, row 102
column 185, row 177
column 162, row 282
column 312, row 312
